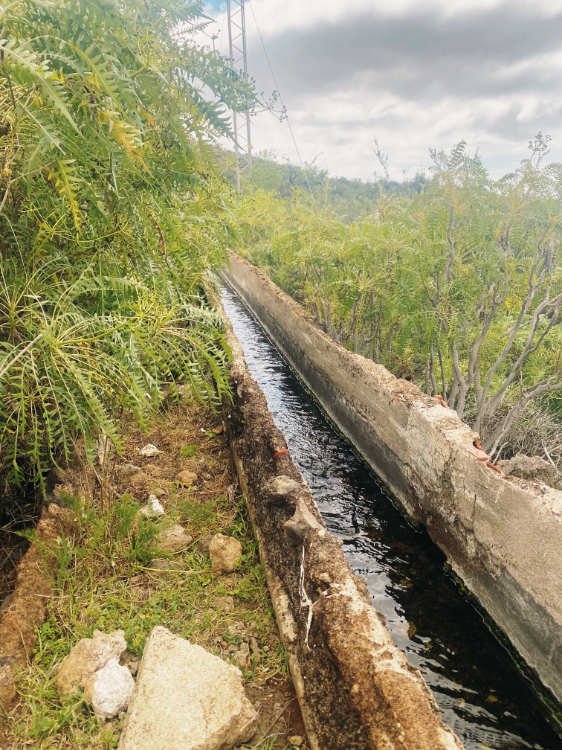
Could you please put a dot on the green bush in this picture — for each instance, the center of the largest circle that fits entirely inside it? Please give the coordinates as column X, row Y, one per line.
column 110, row 216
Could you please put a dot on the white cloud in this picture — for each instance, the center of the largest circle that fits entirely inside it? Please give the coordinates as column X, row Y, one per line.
column 413, row 73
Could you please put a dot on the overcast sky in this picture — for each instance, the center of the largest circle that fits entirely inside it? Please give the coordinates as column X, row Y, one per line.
column 414, row 74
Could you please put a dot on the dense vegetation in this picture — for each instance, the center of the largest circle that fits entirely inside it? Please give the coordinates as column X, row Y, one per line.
column 110, row 214
column 348, row 199
column 112, row 209
column 457, row 287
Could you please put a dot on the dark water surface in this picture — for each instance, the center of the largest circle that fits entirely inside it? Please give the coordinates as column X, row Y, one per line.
column 480, row 692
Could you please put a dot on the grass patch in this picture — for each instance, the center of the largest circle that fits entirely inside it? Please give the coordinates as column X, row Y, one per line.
column 187, row 451
column 104, row 583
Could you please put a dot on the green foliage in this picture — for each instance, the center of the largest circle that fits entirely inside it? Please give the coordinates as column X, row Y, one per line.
column 349, row 199
column 110, row 215
column 187, row 451
column 458, row 288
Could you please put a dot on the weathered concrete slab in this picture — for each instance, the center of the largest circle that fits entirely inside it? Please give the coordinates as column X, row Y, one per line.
column 502, row 536
column 186, row 699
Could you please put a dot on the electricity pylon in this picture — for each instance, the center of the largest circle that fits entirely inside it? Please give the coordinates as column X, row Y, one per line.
column 241, row 123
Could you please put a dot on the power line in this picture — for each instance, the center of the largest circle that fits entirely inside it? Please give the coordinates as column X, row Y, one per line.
column 278, row 89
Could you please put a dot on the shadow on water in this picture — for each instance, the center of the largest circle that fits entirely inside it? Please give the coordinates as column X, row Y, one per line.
column 479, row 689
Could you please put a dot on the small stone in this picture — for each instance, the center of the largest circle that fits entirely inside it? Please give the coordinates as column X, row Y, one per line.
column 87, row 656
column 186, row 478
column 127, row 470
column 159, row 492
column 149, row 450
column 173, row 539
column 8, row 692
column 219, row 430
column 282, row 485
column 163, row 564
column 225, row 553
column 153, row 508
column 224, row 603
column 186, row 699
column 109, row 690
column 241, row 656
column 296, row 740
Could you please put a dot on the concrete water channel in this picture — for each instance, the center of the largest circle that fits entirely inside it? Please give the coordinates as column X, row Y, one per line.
column 480, row 691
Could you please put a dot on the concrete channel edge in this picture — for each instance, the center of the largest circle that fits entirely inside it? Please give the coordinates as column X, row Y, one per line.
column 355, row 687
column 501, row 535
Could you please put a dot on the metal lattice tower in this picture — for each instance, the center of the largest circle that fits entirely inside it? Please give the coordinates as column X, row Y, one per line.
column 241, row 123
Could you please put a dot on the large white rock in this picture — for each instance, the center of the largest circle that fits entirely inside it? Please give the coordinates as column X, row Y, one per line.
column 109, row 690
column 186, row 699
column 89, row 655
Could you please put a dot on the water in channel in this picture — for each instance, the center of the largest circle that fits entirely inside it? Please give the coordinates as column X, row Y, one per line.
column 480, row 692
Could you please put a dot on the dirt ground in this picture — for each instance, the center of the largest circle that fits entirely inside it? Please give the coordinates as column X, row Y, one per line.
column 13, row 548
column 107, row 580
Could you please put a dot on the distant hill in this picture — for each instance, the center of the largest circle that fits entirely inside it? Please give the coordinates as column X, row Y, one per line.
column 349, row 199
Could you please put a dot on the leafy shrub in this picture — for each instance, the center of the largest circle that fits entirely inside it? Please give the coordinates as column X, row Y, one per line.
column 458, row 288
column 110, row 216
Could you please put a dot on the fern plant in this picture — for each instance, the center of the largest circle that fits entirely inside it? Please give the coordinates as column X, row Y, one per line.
column 110, row 215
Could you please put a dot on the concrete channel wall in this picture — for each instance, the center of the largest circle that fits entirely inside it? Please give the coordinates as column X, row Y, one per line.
column 502, row 536
column 356, row 690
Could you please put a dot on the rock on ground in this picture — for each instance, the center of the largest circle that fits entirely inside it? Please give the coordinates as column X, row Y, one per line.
column 282, row 485
column 109, row 690
column 186, row 699
column 153, row 508
column 186, row 478
column 87, row 656
column 173, row 539
column 225, row 553
column 149, row 450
